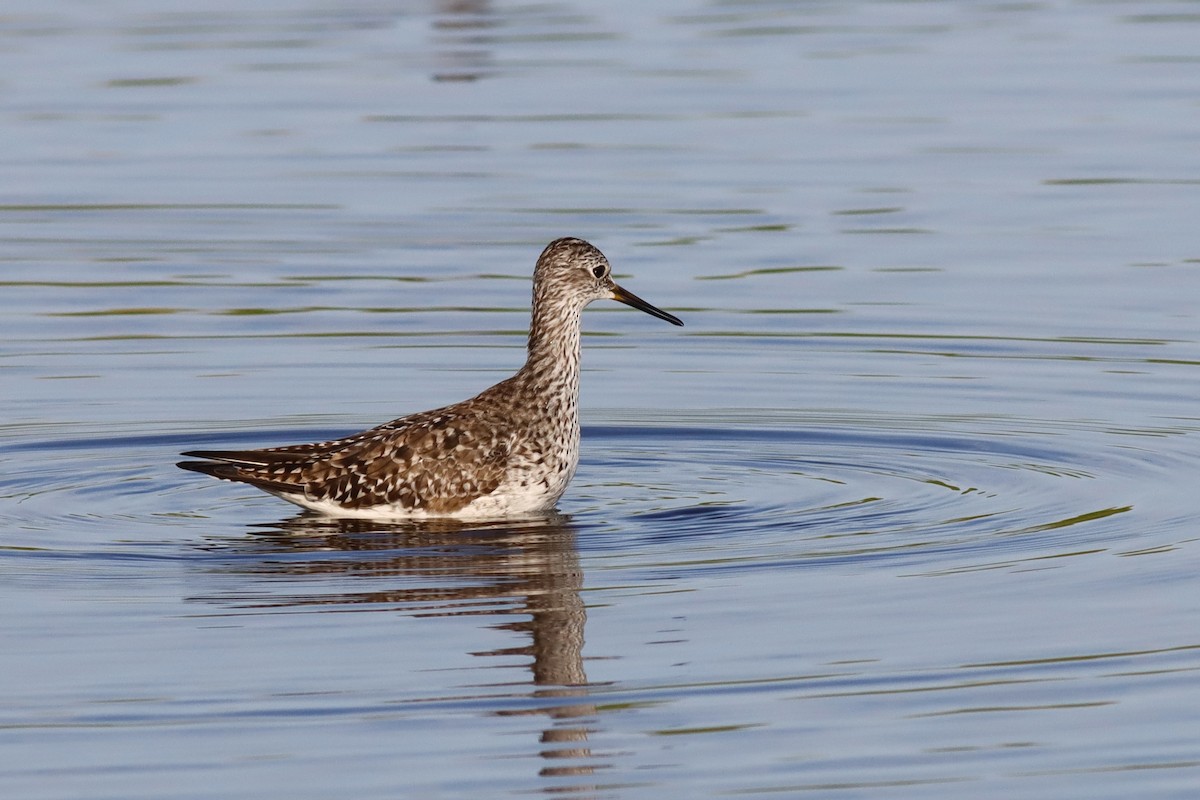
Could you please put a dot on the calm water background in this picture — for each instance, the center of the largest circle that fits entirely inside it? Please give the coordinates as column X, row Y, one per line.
column 907, row 510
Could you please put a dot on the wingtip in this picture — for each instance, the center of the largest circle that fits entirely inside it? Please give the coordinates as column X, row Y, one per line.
column 242, row 457
column 225, row 471
column 204, row 467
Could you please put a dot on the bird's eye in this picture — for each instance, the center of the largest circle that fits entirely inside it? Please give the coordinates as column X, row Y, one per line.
column 598, row 272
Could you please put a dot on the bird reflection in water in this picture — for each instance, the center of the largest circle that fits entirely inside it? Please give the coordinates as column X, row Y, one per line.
column 527, row 568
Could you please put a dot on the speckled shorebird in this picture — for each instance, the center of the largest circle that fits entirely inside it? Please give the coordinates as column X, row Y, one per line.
column 509, row 450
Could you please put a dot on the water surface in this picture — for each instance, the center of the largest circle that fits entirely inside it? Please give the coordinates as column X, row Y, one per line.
column 906, row 510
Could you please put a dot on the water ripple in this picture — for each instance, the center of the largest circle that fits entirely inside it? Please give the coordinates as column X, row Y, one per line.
column 937, row 493
column 769, row 489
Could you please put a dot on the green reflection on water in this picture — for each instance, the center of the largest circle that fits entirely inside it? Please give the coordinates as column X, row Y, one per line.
column 769, row 271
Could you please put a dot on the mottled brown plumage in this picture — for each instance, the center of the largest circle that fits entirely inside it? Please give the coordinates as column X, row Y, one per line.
column 509, row 450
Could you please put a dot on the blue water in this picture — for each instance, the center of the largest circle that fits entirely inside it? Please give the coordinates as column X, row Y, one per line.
column 906, row 510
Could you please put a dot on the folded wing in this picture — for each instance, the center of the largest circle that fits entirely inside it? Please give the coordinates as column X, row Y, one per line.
column 434, row 462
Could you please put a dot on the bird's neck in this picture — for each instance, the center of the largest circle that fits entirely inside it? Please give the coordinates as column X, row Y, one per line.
column 553, row 361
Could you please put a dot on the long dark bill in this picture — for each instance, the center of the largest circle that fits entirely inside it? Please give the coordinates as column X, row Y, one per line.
column 630, row 299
